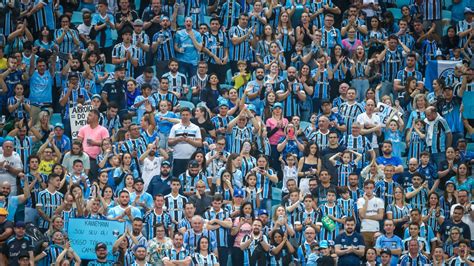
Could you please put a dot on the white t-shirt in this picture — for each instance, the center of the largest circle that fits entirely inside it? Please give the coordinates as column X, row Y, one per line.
column 374, row 205
column 363, row 119
column 150, row 168
column 184, row 150
column 15, row 161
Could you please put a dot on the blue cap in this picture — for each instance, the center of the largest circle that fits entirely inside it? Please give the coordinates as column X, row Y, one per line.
column 277, row 105
column 262, row 212
column 251, row 107
column 238, row 193
column 224, row 102
column 165, row 163
column 323, row 244
column 20, row 224
column 59, row 125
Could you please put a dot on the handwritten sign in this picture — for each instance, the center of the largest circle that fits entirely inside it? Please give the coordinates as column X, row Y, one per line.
column 385, row 111
column 78, row 117
column 84, row 234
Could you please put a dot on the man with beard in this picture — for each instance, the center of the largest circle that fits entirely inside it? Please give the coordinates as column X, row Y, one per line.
column 350, row 109
column 220, row 223
column 387, row 158
column 163, row 46
column 177, row 80
column 438, row 135
column 402, row 75
column 353, row 185
column 192, row 236
column 124, row 211
column 324, row 186
column 139, row 198
column 48, row 201
column 216, row 45
column 255, row 245
column 11, row 200
column 149, row 162
column 161, row 184
column 185, row 223
column 405, row 178
column 291, row 93
column 140, row 256
column 256, row 90
column 135, row 145
column 177, row 255
column 201, row 200
column 114, row 89
column 188, row 44
column 101, row 253
column 137, row 238
column 349, row 245
column 10, row 165
column 190, row 179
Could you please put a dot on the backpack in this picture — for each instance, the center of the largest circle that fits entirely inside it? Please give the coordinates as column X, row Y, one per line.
column 36, row 236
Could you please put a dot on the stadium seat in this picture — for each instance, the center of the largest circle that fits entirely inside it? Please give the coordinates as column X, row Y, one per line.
column 55, row 118
column 228, row 77
column 207, row 20
column 446, row 14
column 397, row 12
column 76, row 18
column 284, row 74
column 401, row 3
column 190, row 105
column 114, row 35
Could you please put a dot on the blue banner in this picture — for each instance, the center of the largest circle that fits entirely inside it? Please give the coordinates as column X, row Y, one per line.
column 84, row 234
column 468, row 104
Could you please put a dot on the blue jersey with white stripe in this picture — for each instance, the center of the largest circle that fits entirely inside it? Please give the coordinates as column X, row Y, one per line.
column 440, row 129
column 239, row 136
column 152, row 218
column 346, row 206
column 335, row 211
column 321, row 85
column 343, row 172
column 392, row 63
column 420, row 199
column 216, row 44
column 191, row 240
column 165, row 48
column 120, row 51
column 175, row 206
column 221, row 233
column 44, row 16
column 384, row 189
column 349, row 113
column 48, row 202
column 67, row 46
column 239, row 51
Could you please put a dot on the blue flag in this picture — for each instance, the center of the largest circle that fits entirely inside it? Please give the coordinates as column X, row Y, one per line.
column 438, row 69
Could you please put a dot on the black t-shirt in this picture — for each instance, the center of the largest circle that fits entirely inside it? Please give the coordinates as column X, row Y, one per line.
column 4, row 226
column 14, row 247
column 448, row 224
column 207, row 126
column 451, row 173
column 325, row 155
column 116, row 93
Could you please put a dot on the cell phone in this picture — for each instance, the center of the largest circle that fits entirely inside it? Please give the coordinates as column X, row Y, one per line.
column 221, row 153
column 3, row 119
column 291, row 133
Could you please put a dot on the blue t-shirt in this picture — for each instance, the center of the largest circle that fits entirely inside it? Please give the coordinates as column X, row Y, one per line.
column 41, row 88
column 190, row 54
column 164, row 126
column 393, row 242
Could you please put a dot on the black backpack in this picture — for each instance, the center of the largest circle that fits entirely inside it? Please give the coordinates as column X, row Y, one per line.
column 36, row 236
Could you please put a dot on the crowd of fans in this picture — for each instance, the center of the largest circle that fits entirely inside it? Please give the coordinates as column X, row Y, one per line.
column 237, row 132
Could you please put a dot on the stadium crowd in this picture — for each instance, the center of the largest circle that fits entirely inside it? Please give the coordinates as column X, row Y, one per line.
column 238, row 132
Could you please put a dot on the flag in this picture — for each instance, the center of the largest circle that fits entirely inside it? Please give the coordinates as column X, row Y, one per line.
column 438, row 69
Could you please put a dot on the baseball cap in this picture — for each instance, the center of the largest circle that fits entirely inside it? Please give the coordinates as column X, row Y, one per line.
column 277, row 105
column 138, row 22
column 450, row 182
column 20, row 224
column 165, row 163
column 96, row 96
column 193, row 164
column 238, row 193
column 139, row 180
column 100, row 245
column 468, row 10
column 59, row 125
column 323, row 244
column 386, row 251
column 73, row 75
column 3, row 211
column 262, row 212
column 119, row 68
column 251, row 107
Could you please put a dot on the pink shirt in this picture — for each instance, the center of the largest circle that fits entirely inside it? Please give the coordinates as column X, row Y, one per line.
column 245, row 229
column 97, row 134
column 272, row 123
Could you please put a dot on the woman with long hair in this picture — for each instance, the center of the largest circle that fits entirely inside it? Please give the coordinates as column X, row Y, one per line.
column 338, row 64
column 126, row 168
column 286, row 34
column 390, row 26
column 45, row 43
column 263, row 46
column 411, row 91
column 203, row 256
column 232, row 166
column 274, row 55
column 43, row 125
column 202, row 119
column 370, row 94
column 438, row 88
column 282, row 251
column 241, row 226
column 451, row 246
column 448, row 199
column 226, row 188
column 305, row 31
column 432, row 214
column 351, row 42
column 419, row 105
column 450, row 41
column 376, row 36
column 248, row 161
column 276, row 130
column 76, row 153
column 211, row 93
column 108, row 198
column 308, row 166
column 463, row 180
column 122, row 250
column 358, row 72
column 399, row 211
column 270, row 100
column 280, row 222
column 308, row 85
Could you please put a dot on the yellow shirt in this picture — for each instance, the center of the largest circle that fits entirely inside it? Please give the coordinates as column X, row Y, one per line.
column 46, row 167
column 3, row 64
column 240, row 81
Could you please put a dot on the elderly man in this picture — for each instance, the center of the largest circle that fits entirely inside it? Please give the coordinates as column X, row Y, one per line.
column 192, row 236
column 10, row 165
column 438, row 135
column 13, row 200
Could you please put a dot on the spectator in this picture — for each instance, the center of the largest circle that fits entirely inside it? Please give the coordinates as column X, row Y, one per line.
column 371, row 211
